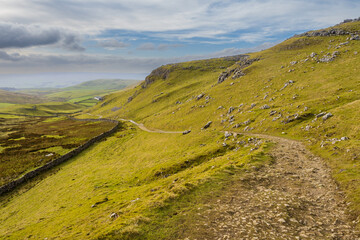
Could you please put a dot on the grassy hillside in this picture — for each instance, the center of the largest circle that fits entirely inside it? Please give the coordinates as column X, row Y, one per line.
column 134, row 179
column 44, row 109
column 17, row 98
column 85, row 92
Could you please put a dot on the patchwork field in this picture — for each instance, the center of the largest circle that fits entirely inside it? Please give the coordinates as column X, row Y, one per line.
column 28, row 143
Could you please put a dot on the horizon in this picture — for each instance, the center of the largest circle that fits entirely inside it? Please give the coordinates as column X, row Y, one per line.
column 78, row 40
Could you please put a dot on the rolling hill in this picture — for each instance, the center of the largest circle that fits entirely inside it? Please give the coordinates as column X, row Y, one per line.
column 275, row 127
column 85, row 92
column 18, row 98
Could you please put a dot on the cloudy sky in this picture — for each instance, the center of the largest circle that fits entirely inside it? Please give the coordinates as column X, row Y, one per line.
column 128, row 38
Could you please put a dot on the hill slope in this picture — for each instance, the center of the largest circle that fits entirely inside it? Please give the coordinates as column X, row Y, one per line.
column 18, row 98
column 145, row 185
column 85, row 92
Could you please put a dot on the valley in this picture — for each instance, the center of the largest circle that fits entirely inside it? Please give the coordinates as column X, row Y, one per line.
column 263, row 145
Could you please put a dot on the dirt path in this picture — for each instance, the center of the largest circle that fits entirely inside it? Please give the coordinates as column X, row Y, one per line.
column 294, row 198
column 142, row 127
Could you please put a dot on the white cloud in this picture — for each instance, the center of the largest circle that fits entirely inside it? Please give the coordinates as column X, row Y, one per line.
column 201, row 18
column 112, row 44
column 22, row 36
column 10, row 63
column 146, row 47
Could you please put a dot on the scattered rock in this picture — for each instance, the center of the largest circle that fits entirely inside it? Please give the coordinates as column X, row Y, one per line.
column 220, row 107
column 320, row 114
column 238, row 73
column 247, row 128
column 231, row 109
column 327, row 116
column 344, row 138
column 293, row 62
column 313, row 54
column 265, row 107
column 186, row 132
column 252, row 105
column 114, row 215
column 287, row 84
column 272, row 112
column 247, row 122
column 227, row 134
column 207, row 125
column 326, row 59
column 200, row 96
column 130, row 99
column 355, row 37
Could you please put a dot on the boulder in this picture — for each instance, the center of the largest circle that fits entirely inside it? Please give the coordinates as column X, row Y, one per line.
column 327, row 116
column 231, row 109
column 272, row 112
column 186, row 132
column 313, row 54
column 200, row 96
column 355, row 37
column 207, row 125
column 265, row 107
column 227, row 134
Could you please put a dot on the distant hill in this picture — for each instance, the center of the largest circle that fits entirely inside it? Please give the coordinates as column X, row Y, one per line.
column 18, row 98
column 106, row 84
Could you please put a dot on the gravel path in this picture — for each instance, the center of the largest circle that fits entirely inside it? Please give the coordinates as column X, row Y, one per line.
column 294, row 198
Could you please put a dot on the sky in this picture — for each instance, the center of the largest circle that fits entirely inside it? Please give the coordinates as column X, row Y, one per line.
column 47, row 42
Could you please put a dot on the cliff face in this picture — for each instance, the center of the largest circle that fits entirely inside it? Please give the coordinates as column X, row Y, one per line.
column 159, row 73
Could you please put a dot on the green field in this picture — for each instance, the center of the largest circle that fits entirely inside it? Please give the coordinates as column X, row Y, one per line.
column 44, row 109
column 5, row 105
column 32, row 142
column 84, row 93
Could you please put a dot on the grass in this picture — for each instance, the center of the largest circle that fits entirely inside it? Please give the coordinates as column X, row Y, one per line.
column 318, row 87
column 43, row 109
column 127, row 176
column 5, row 105
column 84, row 93
column 17, row 98
column 30, row 143
column 146, row 177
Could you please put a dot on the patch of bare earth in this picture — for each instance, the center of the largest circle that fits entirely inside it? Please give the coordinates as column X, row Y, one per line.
column 294, row 198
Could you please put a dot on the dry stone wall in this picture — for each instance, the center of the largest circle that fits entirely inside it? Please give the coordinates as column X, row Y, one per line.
column 12, row 185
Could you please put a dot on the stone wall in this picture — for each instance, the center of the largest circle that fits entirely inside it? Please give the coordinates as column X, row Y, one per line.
column 12, row 185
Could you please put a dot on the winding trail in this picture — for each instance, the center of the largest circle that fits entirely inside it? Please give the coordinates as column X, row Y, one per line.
column 293, row 198
column 142, row 127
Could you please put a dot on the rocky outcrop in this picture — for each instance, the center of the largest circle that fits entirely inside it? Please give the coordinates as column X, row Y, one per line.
column 237, row 71
column 335, row 31
column 159, row 73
